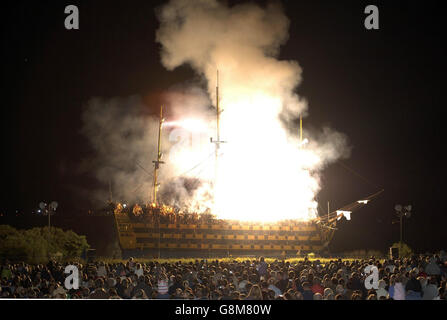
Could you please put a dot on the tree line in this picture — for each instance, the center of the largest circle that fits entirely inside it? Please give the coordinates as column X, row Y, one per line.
column 39, row 245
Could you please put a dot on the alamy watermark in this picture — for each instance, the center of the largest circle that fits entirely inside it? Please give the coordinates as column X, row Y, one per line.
column 372, row 280
column 72, row 280
column 372, row 20
column 72, row 20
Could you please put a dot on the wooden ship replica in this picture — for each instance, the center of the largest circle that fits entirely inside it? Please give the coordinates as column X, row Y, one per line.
column 158, row 230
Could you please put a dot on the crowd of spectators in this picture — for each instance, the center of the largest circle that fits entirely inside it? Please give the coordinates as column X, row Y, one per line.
column 421, row 277
column 163, row 214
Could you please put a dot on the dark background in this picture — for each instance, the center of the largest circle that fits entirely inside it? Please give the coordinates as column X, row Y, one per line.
column 382, row 88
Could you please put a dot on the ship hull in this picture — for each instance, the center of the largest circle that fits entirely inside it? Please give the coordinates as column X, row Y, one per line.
column 220, row 239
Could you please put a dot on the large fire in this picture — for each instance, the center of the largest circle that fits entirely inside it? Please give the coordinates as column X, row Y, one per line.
column 264, row 173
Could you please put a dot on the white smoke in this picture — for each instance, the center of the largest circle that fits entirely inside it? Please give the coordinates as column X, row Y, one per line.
column 242, row 42
column 124, row 136
column 263, row 172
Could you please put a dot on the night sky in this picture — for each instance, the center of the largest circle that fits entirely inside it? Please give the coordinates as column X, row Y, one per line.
column 382, row 88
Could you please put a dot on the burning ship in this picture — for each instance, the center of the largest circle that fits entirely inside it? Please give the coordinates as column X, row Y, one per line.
column 159, row 230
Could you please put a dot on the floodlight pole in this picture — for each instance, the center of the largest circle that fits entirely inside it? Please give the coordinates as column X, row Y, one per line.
column 401, row 220
column 49, row 227
column 400, row 243
column 49, row 233
column 159, row 237
column 401, row 213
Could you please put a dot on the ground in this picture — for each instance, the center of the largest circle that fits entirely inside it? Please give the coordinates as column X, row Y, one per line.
column 239, row 259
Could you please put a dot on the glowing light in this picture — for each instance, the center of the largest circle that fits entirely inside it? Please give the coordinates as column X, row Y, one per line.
column 193, row 125
column 304, row 142
column 263, row 173
column 363, row 201
column 346, row 214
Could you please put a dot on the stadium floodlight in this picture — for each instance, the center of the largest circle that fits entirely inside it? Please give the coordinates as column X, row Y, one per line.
column 53, row 205
column 402, row 212
column 48, row 210
column 363, row 201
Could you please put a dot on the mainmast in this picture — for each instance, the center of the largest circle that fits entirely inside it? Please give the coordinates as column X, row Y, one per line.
column 110, row 191
column 158, row 161
column 217, row 113
column 301, row 129
column 218, row 141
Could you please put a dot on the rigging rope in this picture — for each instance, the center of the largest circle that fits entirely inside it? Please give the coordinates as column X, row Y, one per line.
column 358, row 174
column 197, row 165
column 149, row 174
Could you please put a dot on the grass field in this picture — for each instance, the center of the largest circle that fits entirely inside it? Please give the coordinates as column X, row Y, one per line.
column 238, row 259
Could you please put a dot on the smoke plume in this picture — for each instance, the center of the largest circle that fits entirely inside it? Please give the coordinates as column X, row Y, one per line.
column 264, row 171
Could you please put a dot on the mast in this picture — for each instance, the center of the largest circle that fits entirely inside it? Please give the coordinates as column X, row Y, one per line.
column 158, row 161
column 217, row 107
column 217, row 122
column 301, row 129
column 217, row 142
column 110, row 191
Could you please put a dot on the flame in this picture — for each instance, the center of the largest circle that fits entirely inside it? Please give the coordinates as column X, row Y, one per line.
column 193, row 125
column 263, row 174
